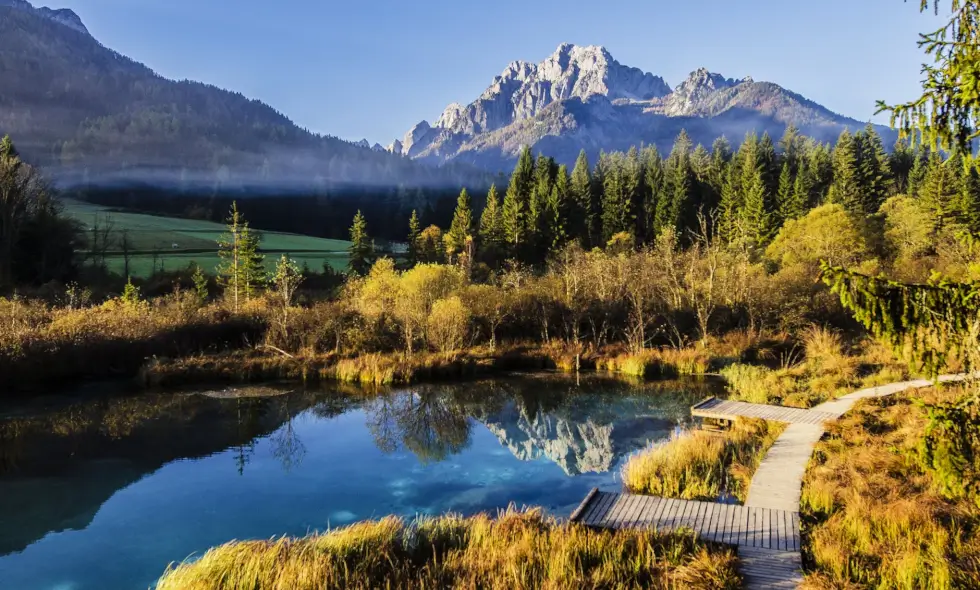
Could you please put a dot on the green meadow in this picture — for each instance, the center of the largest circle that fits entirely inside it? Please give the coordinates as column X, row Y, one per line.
column 171, row 243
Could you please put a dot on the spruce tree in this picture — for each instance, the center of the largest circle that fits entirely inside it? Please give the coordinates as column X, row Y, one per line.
column 874, row 170
column 615, row 198
column 461, row 227
column 846, row 187
column 940, row 189
column 414, row 231
column 580, row 201
column 799, row 201
column 968, row 203
column 789, row 147
column 675, row 211
column 730, row 206
column 900, row 164
column 721, row 157
column 253, row 269
column 231, row 270
column 633, row 193
column 917, row 174
column 491, row 228
column 654, row 191
column 559, row 207
column 517, row 202
column 756, row 217
column 785, row 204
column 361, row 248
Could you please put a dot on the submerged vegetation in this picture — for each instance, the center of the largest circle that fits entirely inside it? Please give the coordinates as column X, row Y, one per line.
column 515, row 550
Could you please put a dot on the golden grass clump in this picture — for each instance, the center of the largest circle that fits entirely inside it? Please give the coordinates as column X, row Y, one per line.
column 873, row 517
column 519, row 549
column 652, row 362
column 699, row 465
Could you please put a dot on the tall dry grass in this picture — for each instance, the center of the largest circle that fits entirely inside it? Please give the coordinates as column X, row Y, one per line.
column 516, row 550
column 873, row 518
column 42, row 345
column 667, row 362
column 699, row 465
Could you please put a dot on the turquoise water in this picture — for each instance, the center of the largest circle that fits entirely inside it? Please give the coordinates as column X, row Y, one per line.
column 104, row 491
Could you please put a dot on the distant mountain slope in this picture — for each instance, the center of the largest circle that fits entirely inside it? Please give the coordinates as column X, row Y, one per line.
column 581, row 97
column 84, row 110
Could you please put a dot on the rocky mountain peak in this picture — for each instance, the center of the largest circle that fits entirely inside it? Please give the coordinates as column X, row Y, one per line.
column 63, row 16
column 698, row 86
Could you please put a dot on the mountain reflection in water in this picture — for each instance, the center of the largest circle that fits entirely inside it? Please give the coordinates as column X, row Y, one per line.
column 253, row 463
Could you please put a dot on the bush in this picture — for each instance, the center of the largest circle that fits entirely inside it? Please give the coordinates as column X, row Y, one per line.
column 448, row 324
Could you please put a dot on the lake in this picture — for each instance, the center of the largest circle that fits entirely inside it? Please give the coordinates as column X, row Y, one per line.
column 101, row 490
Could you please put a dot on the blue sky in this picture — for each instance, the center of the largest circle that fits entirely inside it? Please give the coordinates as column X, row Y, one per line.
column 374, row 68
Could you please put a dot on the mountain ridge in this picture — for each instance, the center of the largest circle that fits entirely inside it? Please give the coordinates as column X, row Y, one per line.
column 581, row 97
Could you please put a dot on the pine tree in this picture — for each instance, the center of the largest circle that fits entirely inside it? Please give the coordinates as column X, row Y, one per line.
column 756, row 216
column 615, row 200
column 799, row 201
column 361, row 248
column 414, row 231
column 730, row 206
column 461, row 227
column 968, row 203
column 940, row 189
column 917, row 174
column 846, row 187
column 789, row 145
column 558, row 209
column 768, row 162
column 537, row 224
column 676, row 210
column 785, row 204
column 580, row 201
column 721, row 157
column 230, row 247
column 252, row 267
column 900, row 163
column 874, row 170
column 491, row 228
column 654, row 191
column 517, row 201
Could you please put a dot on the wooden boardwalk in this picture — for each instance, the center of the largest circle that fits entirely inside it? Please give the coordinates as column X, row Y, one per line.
column 728, row 410
column 760, row 528
column 766, row 530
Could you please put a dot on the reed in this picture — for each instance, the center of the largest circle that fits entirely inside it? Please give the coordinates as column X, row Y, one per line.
column 699, row 465
column 518, row 549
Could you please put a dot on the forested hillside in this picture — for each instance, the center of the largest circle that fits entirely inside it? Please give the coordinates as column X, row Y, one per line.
column 89, row 114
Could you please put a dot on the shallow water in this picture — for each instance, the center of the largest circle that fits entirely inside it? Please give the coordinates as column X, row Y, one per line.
column 103, row 491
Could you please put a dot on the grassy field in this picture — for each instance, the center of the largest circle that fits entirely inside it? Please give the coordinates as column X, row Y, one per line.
column 153, row 237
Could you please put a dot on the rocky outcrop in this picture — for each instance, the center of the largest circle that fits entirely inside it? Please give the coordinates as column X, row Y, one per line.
column 63, row 16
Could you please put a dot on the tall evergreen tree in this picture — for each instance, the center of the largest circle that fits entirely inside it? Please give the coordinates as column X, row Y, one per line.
column 785, row 202
column 461, row 228
column 676, row 210
column 799, row 202
column 900, row 163
column 414, row 231
column 230, row 249
column 846, row 187
column 517, row 202
column 874, row 170
column 940, row 189
column 491, row 227
column 789, row 146
column 756, row 215
column 654, row 191
column 615, row 198
column 361, row 248
column 580, row 217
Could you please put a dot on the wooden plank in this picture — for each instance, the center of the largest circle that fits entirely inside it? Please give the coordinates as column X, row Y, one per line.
column 795, row 517
column 646, row 516
column 766, row 528
column 631, row 511
column 582, row 505
column 597, row 514
column 612, row 516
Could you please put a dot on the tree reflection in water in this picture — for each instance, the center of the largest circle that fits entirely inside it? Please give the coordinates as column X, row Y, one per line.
column 431, row 424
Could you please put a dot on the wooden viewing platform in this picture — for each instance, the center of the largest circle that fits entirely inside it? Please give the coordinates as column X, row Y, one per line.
column 727, row 410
